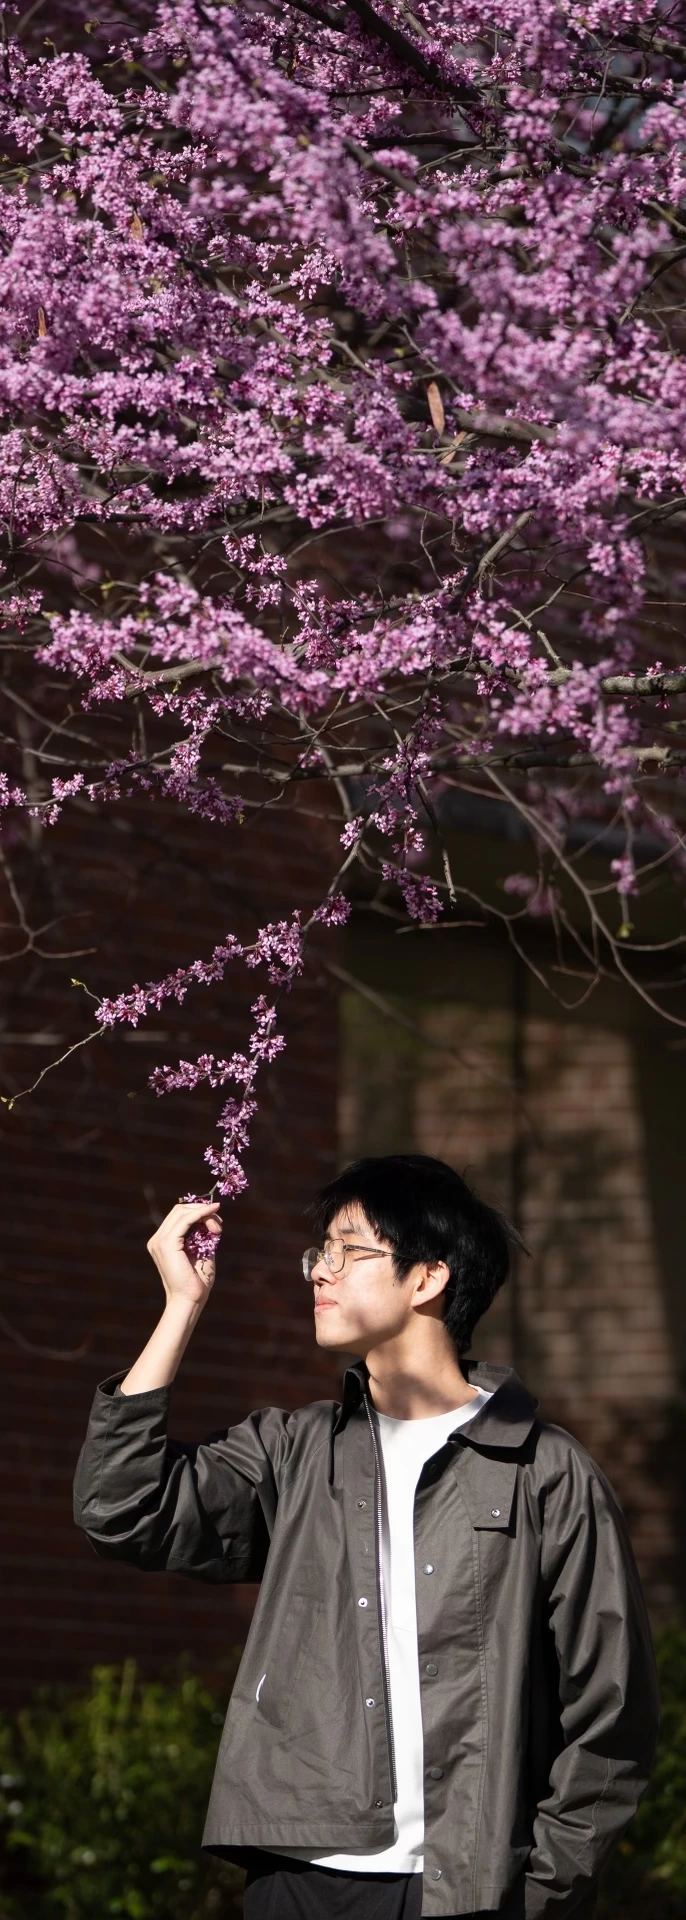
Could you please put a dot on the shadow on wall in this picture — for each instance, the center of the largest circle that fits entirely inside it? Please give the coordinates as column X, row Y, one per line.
column 591, row 1324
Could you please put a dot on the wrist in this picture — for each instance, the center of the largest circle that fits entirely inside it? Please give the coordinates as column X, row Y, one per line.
column 180, row 1313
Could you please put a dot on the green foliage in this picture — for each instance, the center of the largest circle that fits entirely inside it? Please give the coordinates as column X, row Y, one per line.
column 103, row 1797
column 646, row 1878
column 102, row 1801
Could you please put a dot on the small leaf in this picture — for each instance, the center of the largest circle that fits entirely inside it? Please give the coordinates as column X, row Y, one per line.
column 42, row 323
column 136, row 226
column 435, row 406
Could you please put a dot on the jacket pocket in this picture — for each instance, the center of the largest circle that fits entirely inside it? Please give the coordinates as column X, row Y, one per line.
column 283, row 1671
column 489, row 1491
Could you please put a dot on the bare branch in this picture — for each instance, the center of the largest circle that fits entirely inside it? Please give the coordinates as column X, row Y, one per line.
column 10, row 1100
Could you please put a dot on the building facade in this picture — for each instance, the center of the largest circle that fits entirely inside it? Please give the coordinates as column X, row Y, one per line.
column 568, row 1120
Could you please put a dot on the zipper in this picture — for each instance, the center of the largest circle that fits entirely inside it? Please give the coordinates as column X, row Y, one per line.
column 380, row 1603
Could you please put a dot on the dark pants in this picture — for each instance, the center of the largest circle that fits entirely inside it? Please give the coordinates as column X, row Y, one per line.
column 281, row 1889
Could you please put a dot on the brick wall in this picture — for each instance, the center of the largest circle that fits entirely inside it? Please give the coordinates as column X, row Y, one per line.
column 92, row 1160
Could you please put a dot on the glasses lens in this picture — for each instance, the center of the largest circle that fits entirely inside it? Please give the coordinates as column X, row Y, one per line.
column 333, row 1254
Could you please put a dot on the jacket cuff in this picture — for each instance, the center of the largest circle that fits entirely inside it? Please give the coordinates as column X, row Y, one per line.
column 110, row 1389
column 540, row 1904
column 532, row 1899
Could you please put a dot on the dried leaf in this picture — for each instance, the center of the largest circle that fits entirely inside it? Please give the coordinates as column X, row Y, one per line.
column 136, row 226
column 446, row 458
column 435, row 406
column 42, row 323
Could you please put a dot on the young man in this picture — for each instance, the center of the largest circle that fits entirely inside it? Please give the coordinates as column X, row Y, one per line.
column 447, row 1701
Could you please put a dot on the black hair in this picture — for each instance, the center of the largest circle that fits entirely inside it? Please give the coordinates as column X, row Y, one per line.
column 426, row 1211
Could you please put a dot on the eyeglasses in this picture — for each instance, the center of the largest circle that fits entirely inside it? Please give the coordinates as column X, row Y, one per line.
column 334, row 1254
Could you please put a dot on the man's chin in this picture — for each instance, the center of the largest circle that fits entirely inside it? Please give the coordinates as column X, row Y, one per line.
column 330, row 1335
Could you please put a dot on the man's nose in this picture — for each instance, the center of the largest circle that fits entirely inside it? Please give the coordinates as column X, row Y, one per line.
column 321, row 1273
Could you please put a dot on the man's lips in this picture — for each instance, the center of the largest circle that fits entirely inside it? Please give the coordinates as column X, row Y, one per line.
column 320, row 1305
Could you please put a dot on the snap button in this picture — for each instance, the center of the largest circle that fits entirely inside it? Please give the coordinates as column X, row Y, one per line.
column 435, row 1873
column 428, row 1568
column 370, row 1703
column 363, row 1603
column 436, row 1773
column 362, row 1503
column 495, row 1513
column 378, row 1803
column 430, row 1668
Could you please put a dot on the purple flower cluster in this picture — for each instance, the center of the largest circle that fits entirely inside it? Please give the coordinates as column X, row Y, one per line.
column 364, row 326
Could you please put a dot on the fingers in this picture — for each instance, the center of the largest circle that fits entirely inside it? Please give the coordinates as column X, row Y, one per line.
column 194, row 1208
column 181, row 1218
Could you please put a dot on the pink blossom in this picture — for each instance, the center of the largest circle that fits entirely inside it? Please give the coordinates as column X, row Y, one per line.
column 341, row 435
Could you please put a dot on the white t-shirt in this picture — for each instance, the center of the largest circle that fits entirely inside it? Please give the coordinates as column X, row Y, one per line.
column 405, row 1446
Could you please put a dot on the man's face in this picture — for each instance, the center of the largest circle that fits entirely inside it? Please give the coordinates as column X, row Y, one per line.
column 364, row 1305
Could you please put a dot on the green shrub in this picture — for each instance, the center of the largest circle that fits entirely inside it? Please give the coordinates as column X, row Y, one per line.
column 646, row 1877
column 102, row 1800
column 103, row 1797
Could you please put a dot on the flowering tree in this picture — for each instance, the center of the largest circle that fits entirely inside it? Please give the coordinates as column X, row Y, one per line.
column 343, row 443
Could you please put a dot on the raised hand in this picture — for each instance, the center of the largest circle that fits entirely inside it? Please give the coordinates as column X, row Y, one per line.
column 183, row 1249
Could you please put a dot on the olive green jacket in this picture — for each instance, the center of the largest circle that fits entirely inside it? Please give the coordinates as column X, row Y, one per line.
column 538, row 1686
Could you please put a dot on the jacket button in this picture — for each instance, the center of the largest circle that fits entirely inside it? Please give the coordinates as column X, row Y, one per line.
column 370, row 1703
column 430, row 1668
column 435, row 1773
column 363, row 1603
column 495, row 1513
column 362, row 1503
column 435, row 1873
column 428, row 1568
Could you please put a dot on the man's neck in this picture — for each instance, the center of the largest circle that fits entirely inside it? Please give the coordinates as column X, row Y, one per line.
column 416, row 1392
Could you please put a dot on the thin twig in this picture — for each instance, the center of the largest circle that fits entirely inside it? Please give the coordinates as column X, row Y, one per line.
column 10, row 1101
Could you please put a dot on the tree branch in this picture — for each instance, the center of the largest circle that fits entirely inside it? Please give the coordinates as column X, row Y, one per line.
column 409, row 55
column 500, row 426
column 636, row 685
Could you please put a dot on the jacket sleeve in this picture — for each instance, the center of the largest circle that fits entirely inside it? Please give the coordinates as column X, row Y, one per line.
column 608, row 1694
column 206, row 1511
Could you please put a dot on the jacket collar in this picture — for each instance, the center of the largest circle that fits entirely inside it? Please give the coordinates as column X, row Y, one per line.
column 505, row 1421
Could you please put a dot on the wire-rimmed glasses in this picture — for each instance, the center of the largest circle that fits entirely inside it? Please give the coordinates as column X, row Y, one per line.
column 334, row 1253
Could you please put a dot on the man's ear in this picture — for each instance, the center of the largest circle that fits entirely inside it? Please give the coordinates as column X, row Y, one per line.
column 432, row 1280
